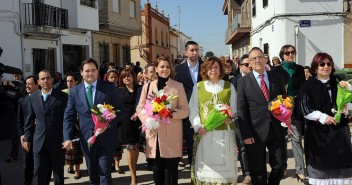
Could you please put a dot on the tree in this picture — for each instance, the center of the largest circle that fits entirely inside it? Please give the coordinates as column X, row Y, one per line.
column 208, row 54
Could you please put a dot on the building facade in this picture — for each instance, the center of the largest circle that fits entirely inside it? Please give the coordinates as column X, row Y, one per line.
column 155, row 38
column 310, row 26
column 119, row 21
column 347, row 34
column 36, row 34
column 239, row 26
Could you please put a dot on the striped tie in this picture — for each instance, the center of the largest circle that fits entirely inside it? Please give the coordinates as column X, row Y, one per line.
column 264, row 88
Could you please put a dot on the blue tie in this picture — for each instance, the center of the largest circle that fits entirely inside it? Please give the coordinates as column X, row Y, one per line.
column 45, row 97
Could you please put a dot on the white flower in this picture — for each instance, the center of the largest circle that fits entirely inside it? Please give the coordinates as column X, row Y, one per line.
column 151, row 123
column 144, row 112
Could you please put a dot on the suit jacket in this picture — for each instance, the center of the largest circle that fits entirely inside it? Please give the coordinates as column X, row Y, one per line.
column 22, row 110
column 169, row 135
column 183, row 76
column 49, row 118
column 254, row 117
column 78, row 105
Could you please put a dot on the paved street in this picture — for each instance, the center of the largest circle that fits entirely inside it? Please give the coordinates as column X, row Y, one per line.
column 12, row 174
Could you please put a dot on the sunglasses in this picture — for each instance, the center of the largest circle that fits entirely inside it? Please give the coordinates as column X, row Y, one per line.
column 245, row 64
column 322, row 64
column 287, row 53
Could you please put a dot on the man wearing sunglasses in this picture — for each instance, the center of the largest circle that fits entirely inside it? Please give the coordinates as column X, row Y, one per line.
column 245, row 68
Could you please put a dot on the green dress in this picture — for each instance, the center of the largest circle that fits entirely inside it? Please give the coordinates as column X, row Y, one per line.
column 214, row 154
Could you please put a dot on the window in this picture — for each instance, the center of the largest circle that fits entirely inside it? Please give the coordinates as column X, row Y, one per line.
column 90, row 3
column 73, row 55
column 116, row 6
column 156, row 36
column 167, row 41
column 126, row 54
column 265, row 3
column 104, row 51
column 266, row 48
column 162, row 38
column 44, row 59
column 253, row 9
column 132, row 9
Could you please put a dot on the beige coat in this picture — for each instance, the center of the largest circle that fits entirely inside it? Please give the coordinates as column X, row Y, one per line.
column 169, row 135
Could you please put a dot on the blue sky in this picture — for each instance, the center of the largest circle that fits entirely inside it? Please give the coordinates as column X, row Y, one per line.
column 202, row 20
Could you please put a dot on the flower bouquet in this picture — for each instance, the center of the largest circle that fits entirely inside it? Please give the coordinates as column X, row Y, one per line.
column 67, row 91
column 102, row 115
column 282, row 108
column 218, row 116
column 344, row 96
column 158, row 109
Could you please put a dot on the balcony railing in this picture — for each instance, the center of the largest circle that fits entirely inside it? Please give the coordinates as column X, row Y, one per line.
column 39, row 14
column 240, row 21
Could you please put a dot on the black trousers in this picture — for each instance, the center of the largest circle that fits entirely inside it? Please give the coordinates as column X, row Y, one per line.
column 256, row 154
column 188, row 136
column 165, row 170
column 28, row 166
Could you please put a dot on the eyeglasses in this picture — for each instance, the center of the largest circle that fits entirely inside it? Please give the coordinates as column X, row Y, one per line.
column 255, row 58
column 322, row 64
column 245, row 64
column 287, row 53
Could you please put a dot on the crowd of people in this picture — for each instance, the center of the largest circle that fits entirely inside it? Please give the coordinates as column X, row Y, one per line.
column 55, row 122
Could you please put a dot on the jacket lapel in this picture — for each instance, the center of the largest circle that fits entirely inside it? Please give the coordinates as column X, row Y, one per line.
column 255, row 86
column 51, row 99
column 98, row 92
column 38, row 98
column 272, row 87
column 187, row 73
column 82, row 94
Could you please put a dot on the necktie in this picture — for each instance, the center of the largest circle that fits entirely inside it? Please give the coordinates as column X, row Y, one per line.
column 45, row 97
column 263, row 87
column 90, row 95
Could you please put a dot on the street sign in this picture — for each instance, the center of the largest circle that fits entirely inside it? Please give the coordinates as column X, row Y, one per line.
column 304, row 23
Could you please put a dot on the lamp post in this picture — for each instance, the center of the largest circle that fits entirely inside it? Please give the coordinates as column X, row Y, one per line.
column 296, row 30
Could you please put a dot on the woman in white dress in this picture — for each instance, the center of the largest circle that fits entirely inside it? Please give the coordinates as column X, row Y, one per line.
column 214, row 153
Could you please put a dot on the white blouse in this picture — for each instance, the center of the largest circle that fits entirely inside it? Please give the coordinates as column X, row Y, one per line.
column 212, row 88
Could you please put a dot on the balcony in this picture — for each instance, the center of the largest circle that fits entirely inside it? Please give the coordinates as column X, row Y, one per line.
column 42, row 18
column 240, row 26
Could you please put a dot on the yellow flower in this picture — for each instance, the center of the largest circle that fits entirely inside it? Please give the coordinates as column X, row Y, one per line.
column 288, row 103
column 157, row 107
column 108, row 107
column 275, row 105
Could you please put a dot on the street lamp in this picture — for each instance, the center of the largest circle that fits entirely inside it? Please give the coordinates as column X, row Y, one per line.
column 296, row 30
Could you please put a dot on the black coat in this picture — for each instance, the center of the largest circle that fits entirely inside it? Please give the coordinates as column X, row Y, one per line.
column 326, row 146
column 298, row 79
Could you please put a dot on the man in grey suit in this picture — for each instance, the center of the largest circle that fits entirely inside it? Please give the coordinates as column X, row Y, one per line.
column 259, row 129
column 47, row 107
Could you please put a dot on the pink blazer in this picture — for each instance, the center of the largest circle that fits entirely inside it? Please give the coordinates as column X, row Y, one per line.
column 169, row 135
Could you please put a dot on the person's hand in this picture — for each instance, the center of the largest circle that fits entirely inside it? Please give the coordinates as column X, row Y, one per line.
column 249, row 141
column 26, row 146
column 228, row 121
column 330, row 120
column 202, row 131
column 67, row 145
column 102, row 130
column 22, row 139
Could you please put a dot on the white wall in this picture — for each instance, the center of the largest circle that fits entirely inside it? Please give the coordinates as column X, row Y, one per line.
column 81, row 17
column 324, row 35
column 10, row 41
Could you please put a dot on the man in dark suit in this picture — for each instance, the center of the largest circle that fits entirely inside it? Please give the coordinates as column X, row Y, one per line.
column 259, row 129
column 47, row 107
column 188, row 73
column 31, row 87
column 99, row 157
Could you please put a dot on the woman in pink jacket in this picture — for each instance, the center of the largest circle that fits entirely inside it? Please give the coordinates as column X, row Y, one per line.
column 164, row 144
